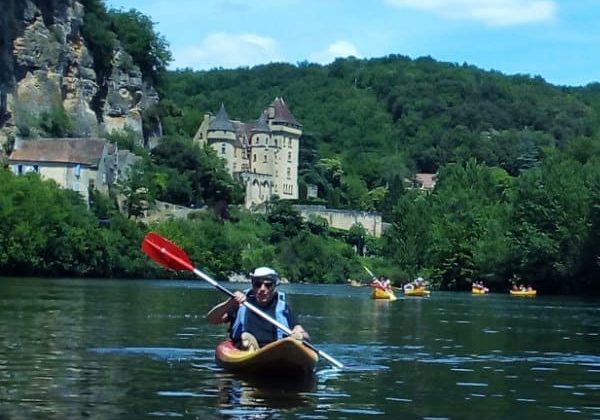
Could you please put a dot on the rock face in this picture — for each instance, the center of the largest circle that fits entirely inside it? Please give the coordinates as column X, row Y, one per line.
column 53, row 73
column 128, row 96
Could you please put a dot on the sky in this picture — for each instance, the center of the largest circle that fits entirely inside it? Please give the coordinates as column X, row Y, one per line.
column 558, row 40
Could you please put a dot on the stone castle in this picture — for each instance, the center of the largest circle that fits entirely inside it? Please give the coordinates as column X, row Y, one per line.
column 262, row 153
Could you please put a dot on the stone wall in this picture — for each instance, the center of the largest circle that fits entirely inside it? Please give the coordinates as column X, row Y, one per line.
column 344, row 219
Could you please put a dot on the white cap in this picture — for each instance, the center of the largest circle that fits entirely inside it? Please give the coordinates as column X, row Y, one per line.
column 265, row 272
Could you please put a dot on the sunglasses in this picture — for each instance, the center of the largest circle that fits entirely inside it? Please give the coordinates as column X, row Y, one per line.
column 259, row 282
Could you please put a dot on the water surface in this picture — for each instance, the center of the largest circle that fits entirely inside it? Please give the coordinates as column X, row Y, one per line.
column 107, row 349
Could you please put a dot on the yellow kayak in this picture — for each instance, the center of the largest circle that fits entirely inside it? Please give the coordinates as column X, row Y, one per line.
column 417, row 292
column 355, row 283
column 479, row 291
column 287, row 358
column 377, row 293
column 523, row 293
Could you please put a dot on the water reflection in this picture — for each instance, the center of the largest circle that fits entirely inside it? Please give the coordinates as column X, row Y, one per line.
column 240, row 395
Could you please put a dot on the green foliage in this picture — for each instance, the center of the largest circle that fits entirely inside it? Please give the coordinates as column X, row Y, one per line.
column 138, row 190
column 124, row 139
column 136, row 33
column 284, row 220
column 311, row 258
column 552, row 214
column 99, row 36
column 56, row 123
column 193, row 176
column 48, row 231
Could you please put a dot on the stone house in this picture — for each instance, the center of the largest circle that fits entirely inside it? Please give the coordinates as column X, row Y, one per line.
column 74, row 163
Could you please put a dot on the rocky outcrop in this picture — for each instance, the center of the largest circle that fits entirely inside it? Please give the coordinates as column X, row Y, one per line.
column 54, row 73
column 128, row 96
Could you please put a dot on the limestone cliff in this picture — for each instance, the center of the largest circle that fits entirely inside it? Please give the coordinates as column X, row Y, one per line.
column 48, row 69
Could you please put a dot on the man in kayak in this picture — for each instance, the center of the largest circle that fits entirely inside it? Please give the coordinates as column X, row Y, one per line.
column 247, row 329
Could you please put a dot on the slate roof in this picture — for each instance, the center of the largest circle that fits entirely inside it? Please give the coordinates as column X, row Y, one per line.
column 221, row 121
column 261, row 125
column 282, row 113
column 82, row 151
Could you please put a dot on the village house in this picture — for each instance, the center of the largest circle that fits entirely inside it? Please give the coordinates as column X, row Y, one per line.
column 74, row 163
column 422, row 181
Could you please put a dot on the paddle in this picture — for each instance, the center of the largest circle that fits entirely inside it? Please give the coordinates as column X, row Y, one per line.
column 369, row 271
column 169, row 255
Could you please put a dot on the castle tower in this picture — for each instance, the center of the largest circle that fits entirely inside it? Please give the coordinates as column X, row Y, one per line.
column 221, row 136
column 285, row 136
column 262, row 149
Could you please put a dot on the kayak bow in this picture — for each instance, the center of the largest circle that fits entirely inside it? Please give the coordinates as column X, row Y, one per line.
column 282, row 358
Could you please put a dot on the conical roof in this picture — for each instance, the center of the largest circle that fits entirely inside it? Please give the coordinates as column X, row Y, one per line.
column 282, row 113
column 221, row 121
column 261, row 125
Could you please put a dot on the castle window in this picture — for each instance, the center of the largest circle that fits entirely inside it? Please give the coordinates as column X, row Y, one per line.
column 254, row 157
column 289, row 173
column 223, row 149
column 275, row 142
column 265, row 159
column 289, row 156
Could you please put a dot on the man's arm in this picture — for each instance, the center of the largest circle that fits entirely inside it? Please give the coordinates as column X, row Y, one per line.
column 218, row 314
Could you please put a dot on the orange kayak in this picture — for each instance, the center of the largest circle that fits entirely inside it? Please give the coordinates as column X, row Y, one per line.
column 282, row 358
column 383, row 294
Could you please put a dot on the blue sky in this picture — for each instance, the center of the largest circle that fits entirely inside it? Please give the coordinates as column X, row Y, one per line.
column 558, row 40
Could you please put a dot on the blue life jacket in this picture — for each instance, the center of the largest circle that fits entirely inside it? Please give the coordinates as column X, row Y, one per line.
column 241, row 318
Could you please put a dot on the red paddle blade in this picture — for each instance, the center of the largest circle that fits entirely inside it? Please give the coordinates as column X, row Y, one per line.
column 166, row 253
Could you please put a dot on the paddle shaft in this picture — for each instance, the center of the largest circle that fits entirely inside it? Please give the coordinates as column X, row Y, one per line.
column 185, row 264
column 369, row 271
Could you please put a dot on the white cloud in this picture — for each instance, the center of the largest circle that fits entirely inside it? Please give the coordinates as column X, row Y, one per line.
column 490, row 12
column 336, row 50
column 227, row 51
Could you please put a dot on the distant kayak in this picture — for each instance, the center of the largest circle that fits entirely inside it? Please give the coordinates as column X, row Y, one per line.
column 355, row 283
column 383, row 294
column 286, row 358
column 417, row 292
column 524, row 293
column 476, row 291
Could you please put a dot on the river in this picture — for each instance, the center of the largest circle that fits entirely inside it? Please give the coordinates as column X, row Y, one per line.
column 123, row 349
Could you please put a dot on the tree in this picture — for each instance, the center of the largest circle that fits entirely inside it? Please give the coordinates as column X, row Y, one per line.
column 137, row 190
column 148, row 49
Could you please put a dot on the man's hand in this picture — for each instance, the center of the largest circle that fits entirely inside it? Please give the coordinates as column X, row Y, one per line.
column 238, row 297
column 299, row 334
